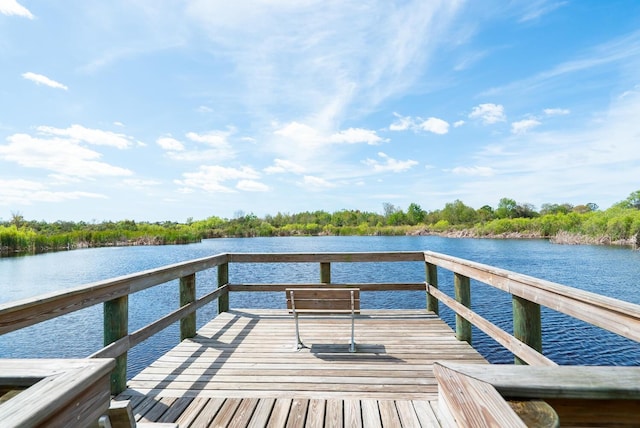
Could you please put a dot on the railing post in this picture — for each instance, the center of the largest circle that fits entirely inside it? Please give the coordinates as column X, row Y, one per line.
column 462, row 285
column 527, row 324
column 188, row 295
column 223, row 278
column 325, row 272
column 116, row 326
column 432, row 280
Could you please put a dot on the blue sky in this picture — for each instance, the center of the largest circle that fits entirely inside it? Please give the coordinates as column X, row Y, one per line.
column 167, row 110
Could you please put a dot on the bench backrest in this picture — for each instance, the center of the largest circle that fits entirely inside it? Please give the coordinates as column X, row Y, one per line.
column 323, row 300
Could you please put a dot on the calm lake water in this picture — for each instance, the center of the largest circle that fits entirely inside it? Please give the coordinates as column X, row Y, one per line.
column 613, row 272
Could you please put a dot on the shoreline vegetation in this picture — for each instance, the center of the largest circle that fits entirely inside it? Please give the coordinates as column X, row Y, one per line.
column 560, row 223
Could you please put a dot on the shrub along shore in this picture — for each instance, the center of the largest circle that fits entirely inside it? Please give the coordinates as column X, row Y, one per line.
column 561, row 223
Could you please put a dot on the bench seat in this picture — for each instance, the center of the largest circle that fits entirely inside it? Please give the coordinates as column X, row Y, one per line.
column 323, row 301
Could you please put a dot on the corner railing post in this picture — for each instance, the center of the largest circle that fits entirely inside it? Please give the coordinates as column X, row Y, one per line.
column 325, row 272
column 462, row 285
column 432, row 280
column 527, row 324
column 188, row 295
column 223, row 278
column 116, row 326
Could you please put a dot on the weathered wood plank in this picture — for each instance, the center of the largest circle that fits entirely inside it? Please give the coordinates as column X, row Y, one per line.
column 315, row 413
column 226, row 413
column 297, row 413
column 244, row 413
column 352, row 414
column 394, row 286
column 334, row 416
column 262, row 413
column 389, row 413
column 470, row 402
column 576, row 382
column 30, row 311
column 280, row 412
column 370, row 414
column 617, row 316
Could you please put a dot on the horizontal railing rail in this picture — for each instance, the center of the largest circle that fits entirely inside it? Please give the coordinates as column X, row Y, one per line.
column 528, row 294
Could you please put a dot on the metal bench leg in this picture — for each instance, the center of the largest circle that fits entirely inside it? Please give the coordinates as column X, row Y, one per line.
column 299, row 344
column 352, row 347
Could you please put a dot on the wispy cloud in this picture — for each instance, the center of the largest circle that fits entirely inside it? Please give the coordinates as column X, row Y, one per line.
column 211, row 178
column 63, row 156
column 43, row 80
column 478, row 171
column 418, row 124
column 286, row 54
column 216, row 146
column 623, row 50
column 536, row 9
column 281, row 166
column 12, row 7
column 389, row 164
column 523, row 126
column 98, row 137
column 488, row 113
column 556, row 111
column 27, row 192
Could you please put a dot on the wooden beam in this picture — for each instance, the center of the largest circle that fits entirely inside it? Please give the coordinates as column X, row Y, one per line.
column 188, row 295
column 432, row 281
column 462, row 286
column 116, row 326
column 223, row 279
column 527, row 324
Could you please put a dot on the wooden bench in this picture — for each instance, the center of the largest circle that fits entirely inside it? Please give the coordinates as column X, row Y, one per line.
column 324, row 301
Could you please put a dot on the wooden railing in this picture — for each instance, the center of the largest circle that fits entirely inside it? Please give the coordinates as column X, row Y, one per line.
column 528, row 294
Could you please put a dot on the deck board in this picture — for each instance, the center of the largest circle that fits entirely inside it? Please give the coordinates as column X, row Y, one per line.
column 242, row 369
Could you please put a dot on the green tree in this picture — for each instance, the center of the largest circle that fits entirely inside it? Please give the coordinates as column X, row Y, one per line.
column 506, row 208
column 415, row 214
column 457, row 212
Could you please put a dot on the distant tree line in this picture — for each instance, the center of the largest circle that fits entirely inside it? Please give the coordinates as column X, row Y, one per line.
column 563, row 222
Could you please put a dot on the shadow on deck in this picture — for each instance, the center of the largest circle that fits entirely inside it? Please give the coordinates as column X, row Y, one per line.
column 242, row 369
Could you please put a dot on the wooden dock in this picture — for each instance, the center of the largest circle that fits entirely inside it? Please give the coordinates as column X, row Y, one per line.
column 243, row 369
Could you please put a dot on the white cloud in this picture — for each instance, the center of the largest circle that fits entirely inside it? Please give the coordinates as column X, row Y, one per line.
column 435, row 125
column 171, row 144
column 356, row 135
column 210, row 178
column 556, row 111
column 417, row 124
column 458, row 123
column 140, row 183
column 12, row 7
column 217, row 139
column 403, row 123
column 204, row 109
column 63, row 156
column 316, row 183
column 310, row 137
column 284, row 166
column 524, row 126
column 39, row 79
column 480, row 171
column 252, row 186
column 288, row 56
column 78, row 133
column 217, row 143
column 27, row 192
column 488, row 113
column 535, row 9
column 390, row 164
